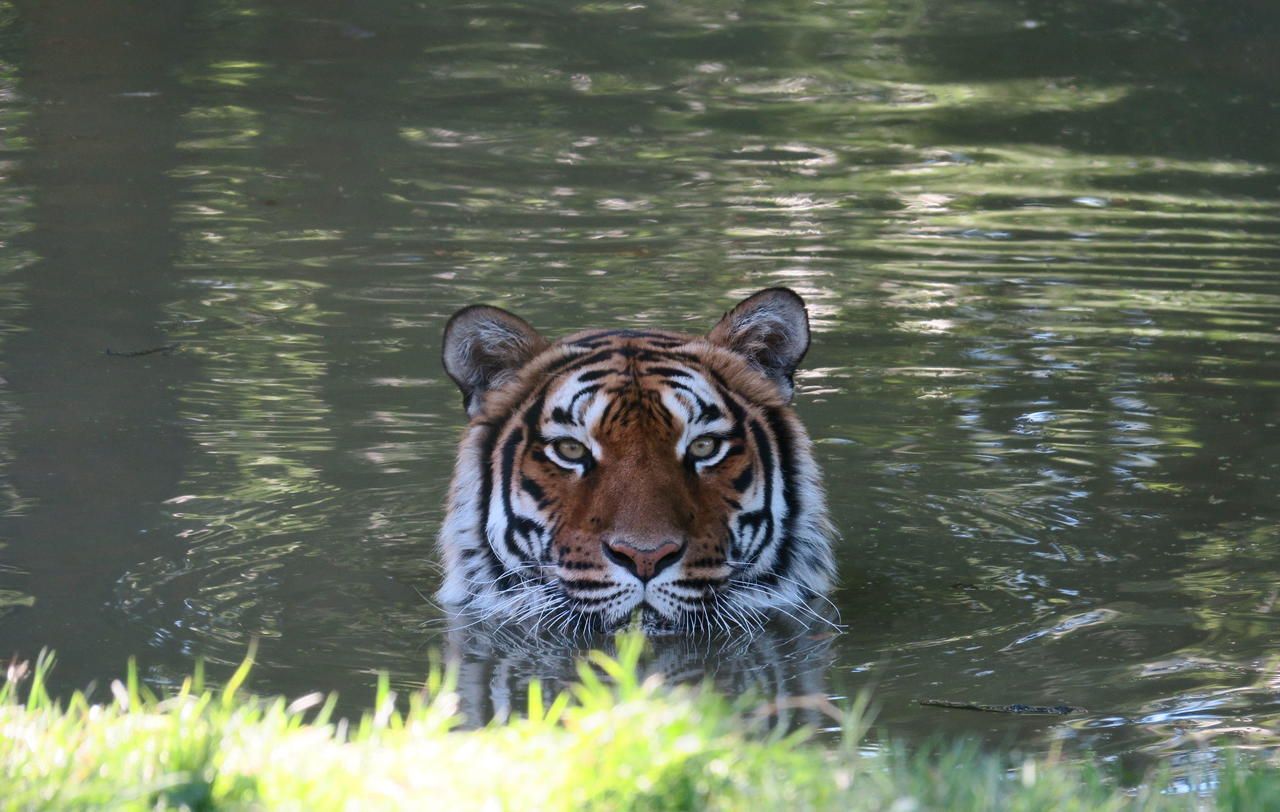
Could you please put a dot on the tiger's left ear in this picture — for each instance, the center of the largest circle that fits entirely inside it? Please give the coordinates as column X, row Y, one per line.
column 770, row 328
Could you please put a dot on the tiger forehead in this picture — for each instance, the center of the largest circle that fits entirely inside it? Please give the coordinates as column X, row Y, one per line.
column 595, row 355
column 632, row 374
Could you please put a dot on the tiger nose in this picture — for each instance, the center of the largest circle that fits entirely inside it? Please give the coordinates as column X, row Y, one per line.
column 643, row 562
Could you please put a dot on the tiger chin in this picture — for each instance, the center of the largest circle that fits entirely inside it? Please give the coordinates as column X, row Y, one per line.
column 620, row 475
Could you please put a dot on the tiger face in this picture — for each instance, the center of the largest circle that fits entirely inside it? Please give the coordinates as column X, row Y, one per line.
column 621, row 471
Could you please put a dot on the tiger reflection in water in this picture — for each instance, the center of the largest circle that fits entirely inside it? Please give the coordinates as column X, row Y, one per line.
column 620, row 475
column 780, row 668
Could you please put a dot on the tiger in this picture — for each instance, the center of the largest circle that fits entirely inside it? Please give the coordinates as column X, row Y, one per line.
column 620, row 476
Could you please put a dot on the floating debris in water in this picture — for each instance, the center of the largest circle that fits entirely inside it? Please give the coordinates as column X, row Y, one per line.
column 1017, row 708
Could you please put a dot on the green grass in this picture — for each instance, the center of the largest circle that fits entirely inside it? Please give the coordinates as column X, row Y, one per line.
column 613, row 743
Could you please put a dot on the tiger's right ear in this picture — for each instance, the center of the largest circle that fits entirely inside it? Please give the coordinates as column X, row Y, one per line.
column 771, row 330
column 484, row 348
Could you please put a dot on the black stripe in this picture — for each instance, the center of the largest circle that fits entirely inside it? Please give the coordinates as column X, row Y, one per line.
column 736, row 410
column 508, row 464
column 532, row 488
column 584, row 392
column 586, row 584
column 565, row 361
column 752, row 519
column 592, row 344
column 610, row 408
column 648, row 355
column 697, row 583
column 577, row 361
column 581, row 601
column 766, row 512
column 670, row 372
column 743, row 480
column 790, row 493
column 496, row 568
column 708, row 412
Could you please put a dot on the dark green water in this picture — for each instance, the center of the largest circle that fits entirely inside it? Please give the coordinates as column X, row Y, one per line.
column 1040, row 242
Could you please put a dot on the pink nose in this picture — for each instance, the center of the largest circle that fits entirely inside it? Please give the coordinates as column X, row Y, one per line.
column 643, row 562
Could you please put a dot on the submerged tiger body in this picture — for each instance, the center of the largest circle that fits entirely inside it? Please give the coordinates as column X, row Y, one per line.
column 621, row 470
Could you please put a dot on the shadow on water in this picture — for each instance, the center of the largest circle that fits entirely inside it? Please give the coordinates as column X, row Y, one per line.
column 1038, row 242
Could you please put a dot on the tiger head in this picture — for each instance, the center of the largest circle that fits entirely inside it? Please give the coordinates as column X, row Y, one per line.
column 621, row 470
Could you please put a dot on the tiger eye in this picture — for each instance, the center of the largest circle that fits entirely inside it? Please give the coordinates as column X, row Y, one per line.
column 571, row 450
column 703, row 447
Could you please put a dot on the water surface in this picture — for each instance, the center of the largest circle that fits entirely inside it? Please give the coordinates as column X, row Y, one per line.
column 1040, row 243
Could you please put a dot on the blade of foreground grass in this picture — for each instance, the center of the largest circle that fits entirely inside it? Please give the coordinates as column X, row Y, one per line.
column 618, row 742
